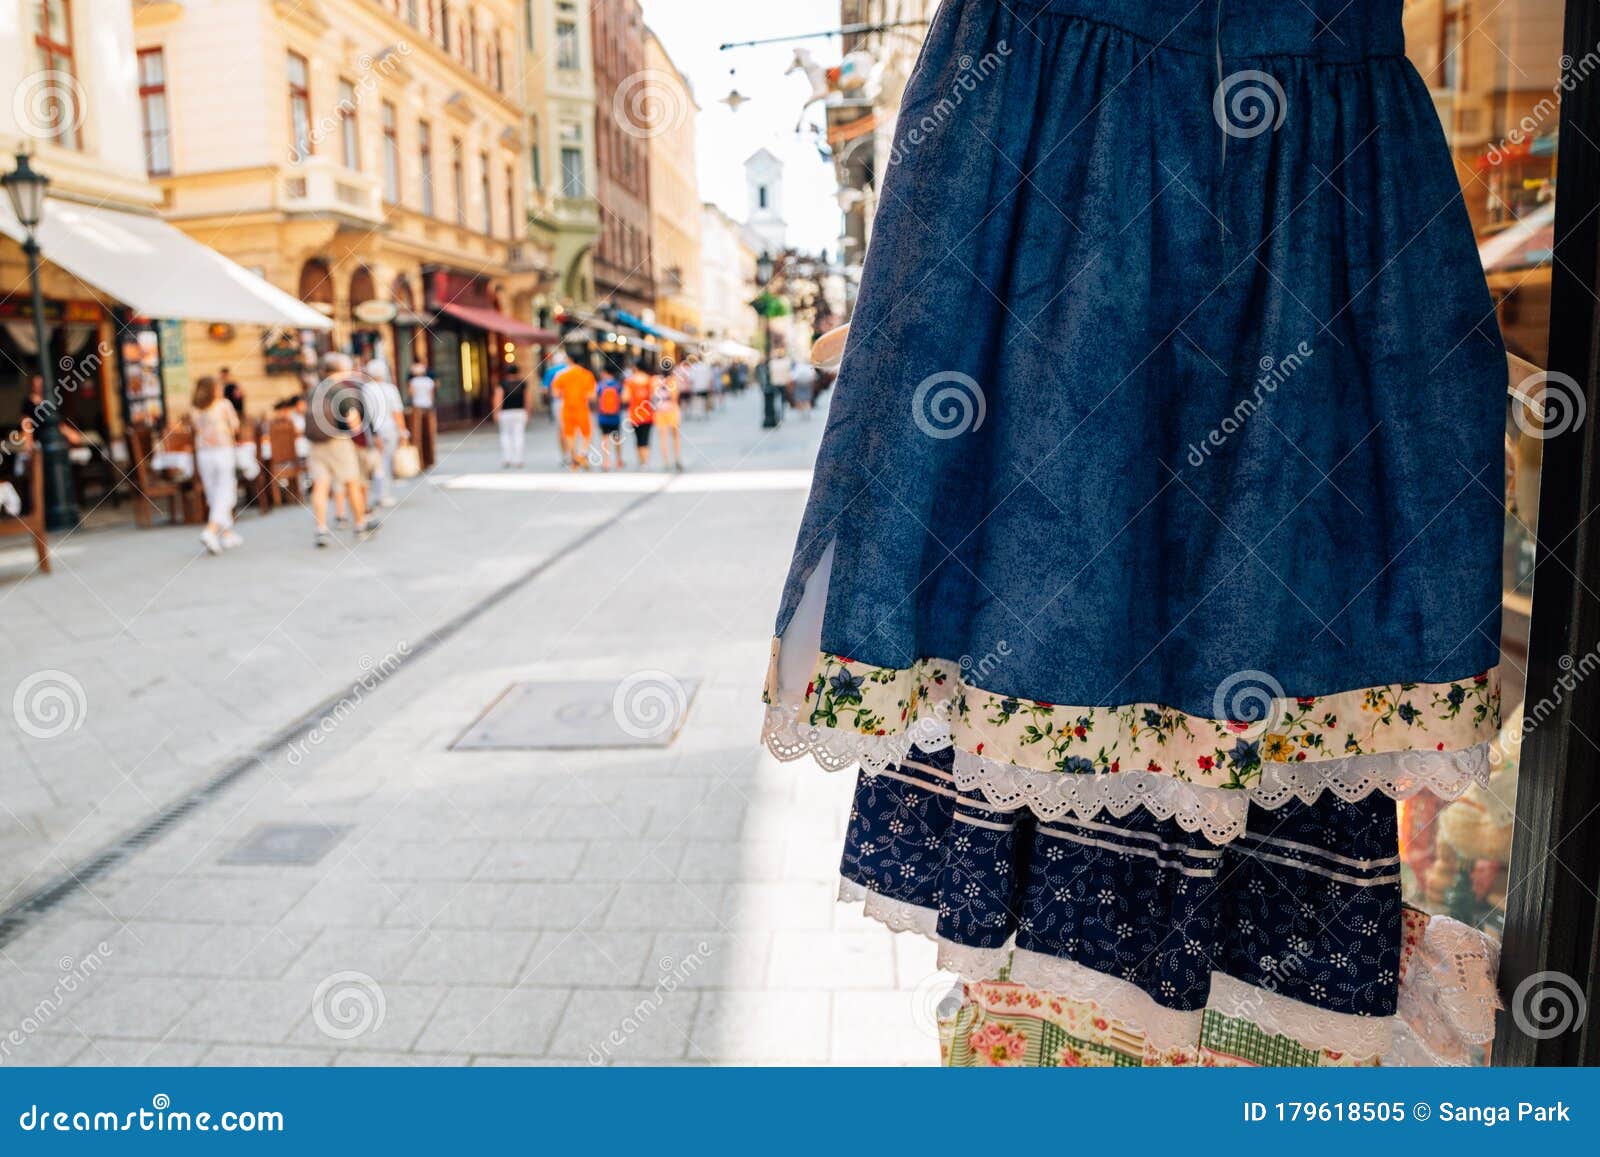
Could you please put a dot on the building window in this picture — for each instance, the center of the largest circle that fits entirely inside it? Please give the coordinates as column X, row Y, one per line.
column 1450, row 51
column 153, row 112
column 485, row 194
column 52, row 40
column 425, row 164
column 527, row 23
column 411, row 12
column 472, row 40
column 349, row 136
column 511, row 202
column 761, row 197
column 499, row 63
column 458, row 180
column 444, row 24
column 573, row 182
column 567, row 44
column 391, row 155
column 299, row 106
column 535, row 156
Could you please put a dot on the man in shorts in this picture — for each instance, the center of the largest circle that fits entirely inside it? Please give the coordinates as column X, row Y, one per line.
column 333, row 416
column 574, row 386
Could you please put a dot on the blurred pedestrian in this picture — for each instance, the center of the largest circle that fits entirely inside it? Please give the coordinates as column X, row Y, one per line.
column 231, row 390
column 668, row 414
column 782, row 374
column 421, row 389
column 215, row 423
column 805, row 384
column 333, row 418
column 608, row 412
column 699, row 381
column 574, row 385
column 558, row 362
column 510, row 409
column 382, row 408
column 421, row 386
column 639, row 393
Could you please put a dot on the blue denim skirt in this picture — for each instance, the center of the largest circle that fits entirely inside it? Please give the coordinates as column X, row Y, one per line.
column 1157, row 517
column 1168, row 437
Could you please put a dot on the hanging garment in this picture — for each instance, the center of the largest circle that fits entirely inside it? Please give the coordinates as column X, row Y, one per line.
column 1155, row 530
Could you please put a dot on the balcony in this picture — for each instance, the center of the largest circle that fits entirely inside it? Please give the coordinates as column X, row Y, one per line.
column 318, row 187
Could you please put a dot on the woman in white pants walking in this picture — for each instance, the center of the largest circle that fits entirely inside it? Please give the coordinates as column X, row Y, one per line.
column 216, row 423
column 511, row 416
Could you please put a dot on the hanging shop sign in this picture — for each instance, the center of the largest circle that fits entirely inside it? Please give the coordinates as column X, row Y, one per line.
column 374, row 312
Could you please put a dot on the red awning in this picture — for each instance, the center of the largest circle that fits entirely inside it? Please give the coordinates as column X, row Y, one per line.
column 496, row 322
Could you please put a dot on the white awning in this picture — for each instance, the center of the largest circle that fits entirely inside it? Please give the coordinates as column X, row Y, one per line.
column 156, row 270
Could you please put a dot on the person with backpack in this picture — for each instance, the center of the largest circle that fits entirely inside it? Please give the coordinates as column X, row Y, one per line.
column 608, row 412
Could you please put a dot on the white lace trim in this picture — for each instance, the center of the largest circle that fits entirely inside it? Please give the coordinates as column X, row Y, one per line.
column 1446, row 1005
column 1218, row 813
column 1447, row 998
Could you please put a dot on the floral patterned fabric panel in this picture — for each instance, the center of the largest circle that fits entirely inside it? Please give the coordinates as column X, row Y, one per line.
column 853, row 697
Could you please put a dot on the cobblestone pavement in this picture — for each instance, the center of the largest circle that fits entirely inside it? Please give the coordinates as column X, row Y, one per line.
column 651, row 905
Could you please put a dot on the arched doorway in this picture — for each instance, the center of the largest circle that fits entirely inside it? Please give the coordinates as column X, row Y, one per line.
column 316, row 290
column 366, row 333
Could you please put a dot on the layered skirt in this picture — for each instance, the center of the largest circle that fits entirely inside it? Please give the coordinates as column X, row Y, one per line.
column 1153, row 548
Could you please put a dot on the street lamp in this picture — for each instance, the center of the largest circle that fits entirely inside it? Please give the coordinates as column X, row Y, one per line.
column 26, row 187
column 766, row 267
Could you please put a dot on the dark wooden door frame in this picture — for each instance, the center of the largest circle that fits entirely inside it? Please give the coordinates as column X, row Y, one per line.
column 1552, row 932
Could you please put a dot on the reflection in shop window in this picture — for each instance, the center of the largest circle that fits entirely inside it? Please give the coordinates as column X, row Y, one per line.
column 1494, row 72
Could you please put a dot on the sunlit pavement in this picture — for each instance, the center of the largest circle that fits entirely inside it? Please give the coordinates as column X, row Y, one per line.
column 582, row 906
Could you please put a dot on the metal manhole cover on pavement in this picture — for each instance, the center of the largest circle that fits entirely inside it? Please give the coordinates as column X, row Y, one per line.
column 286, row 844
column 646, row 709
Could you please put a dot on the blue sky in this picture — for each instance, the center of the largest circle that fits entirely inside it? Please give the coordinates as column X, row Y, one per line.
column 691, row 30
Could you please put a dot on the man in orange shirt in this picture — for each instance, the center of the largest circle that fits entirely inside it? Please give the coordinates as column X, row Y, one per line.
column 638, row 393
column 575, row 386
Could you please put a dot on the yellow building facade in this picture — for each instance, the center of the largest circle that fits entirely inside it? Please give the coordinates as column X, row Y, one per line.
column 370, row 157
column 666, row 111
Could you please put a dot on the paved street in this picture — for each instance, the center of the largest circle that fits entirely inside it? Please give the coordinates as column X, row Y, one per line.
column 658, row 904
